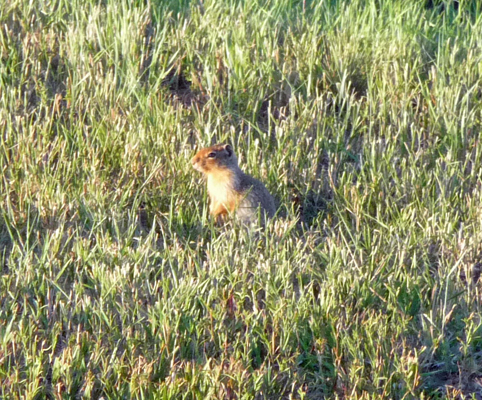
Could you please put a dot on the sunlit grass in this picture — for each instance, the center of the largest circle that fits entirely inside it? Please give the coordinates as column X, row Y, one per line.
column 362, row 118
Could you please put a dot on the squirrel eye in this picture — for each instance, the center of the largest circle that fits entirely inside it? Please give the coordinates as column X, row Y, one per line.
column 211, row 155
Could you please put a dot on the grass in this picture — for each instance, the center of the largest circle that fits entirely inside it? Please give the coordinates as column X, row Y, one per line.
column 362, row 117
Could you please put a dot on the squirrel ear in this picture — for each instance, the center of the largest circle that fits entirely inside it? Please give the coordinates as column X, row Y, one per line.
column 229, row 149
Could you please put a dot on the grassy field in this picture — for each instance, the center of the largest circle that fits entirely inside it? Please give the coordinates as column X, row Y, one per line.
column 362, row 117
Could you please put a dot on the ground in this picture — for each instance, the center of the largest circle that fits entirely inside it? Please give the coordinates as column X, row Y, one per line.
column 362, row 118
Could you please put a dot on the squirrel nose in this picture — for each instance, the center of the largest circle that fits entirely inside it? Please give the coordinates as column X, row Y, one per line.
column 194, row 160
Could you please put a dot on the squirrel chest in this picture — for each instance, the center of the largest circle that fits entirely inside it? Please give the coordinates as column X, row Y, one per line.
column 222, row 191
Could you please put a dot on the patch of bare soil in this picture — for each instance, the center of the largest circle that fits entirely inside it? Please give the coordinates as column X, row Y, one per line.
column 458, row 386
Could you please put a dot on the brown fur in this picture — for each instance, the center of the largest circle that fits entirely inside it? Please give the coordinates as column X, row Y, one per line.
column 230, row 189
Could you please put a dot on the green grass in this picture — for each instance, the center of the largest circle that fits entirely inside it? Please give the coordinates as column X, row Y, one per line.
column 362, row 117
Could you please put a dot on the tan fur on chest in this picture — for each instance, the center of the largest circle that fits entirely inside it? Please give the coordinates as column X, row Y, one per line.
column 221, row 192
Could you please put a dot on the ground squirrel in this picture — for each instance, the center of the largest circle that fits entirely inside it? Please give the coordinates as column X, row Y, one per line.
column 229, row 188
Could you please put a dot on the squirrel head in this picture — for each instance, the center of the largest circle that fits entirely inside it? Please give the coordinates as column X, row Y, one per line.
column 217, row 157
